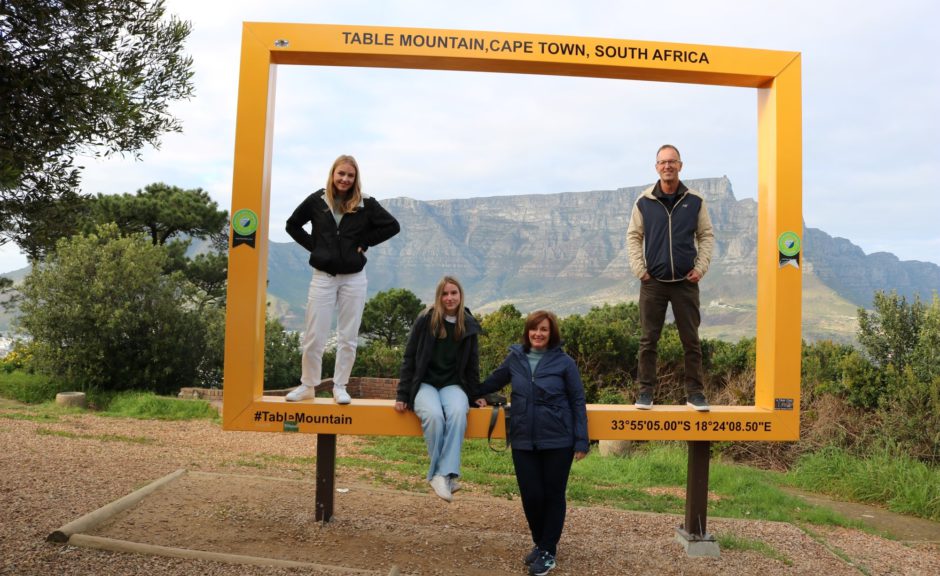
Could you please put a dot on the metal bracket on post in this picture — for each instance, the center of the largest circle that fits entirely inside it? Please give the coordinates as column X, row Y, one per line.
column 692, row 534
column 326, row 476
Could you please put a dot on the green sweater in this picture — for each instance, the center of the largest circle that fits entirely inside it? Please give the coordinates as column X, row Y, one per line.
column 442, row 370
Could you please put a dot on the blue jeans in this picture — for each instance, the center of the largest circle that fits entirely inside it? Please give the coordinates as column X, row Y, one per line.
column 443, row 415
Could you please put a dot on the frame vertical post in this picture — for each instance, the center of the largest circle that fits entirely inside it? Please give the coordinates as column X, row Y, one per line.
column 326, row 476
column 693, row 533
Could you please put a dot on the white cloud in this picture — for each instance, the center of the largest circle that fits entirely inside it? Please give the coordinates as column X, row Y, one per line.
column 871, row 110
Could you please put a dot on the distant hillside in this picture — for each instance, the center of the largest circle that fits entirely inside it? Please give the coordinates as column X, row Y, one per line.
column 567, row 252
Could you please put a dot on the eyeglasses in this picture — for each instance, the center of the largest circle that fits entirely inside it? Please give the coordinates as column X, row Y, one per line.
column 668, row 162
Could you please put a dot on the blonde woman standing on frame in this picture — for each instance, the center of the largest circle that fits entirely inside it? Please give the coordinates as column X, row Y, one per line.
column 344, row 224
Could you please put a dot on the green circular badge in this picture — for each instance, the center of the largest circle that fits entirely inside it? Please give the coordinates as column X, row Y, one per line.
column 789, row 244
column 245, row 222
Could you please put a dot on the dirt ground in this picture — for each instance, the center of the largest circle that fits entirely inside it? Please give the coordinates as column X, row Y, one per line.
column 252, row 494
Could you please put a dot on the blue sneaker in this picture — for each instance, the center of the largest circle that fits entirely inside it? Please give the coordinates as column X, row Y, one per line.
column 543, row 564
column 532, row 556
column 644, row 401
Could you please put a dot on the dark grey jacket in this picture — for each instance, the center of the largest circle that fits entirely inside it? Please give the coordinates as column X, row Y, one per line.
column 418, row 353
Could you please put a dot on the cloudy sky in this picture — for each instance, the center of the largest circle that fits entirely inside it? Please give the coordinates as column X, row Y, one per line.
column 871, row 111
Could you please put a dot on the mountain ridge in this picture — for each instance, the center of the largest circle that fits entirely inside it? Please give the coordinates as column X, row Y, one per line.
column 566, row 251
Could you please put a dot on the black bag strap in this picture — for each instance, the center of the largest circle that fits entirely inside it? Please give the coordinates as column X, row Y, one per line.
column 494, row 415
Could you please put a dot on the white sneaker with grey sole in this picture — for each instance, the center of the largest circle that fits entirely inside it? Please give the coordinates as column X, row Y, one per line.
column 439, row 484
column 340, row 396
column 302, row 392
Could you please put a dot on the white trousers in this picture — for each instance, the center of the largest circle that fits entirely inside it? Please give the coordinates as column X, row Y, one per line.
column 346, row 294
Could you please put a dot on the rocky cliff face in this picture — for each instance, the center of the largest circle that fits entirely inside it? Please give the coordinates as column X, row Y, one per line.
column 567, row 252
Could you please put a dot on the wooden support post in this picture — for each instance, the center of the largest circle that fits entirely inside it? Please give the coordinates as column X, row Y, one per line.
column 692, row 533
column 696, row 489
column 326, row 476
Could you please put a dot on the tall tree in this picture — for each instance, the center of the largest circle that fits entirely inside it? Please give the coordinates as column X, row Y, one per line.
column 91, row 77
column 162, row 212
column 388, row 316
column 172, row 216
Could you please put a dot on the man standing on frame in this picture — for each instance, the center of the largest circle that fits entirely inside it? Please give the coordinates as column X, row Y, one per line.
column 669, row 242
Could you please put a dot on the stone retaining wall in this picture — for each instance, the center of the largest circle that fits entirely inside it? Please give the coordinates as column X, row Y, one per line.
column 380, row 388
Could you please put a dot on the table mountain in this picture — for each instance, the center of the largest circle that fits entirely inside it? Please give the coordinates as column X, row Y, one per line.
column 567, row 252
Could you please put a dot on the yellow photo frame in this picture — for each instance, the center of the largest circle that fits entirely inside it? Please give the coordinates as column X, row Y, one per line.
column 776, row 76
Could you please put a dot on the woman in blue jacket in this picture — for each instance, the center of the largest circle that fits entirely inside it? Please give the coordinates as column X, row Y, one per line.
column 548, row 429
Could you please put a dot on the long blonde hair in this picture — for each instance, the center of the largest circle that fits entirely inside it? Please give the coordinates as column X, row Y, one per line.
column 351, row 204
column 437, row 311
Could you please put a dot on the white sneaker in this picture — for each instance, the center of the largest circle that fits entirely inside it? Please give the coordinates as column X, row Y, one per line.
column 439, row 484
column 340, row 396
column 452, row 484
column 302, row 392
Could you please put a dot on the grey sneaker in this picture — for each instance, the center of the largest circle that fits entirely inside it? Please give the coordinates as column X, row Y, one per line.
column 439, row 484
column 543, row 564
column 340, row 395
column 302, row 392
column 452, row 484
column 644, row 400
column 532, row 556
column 698, row 402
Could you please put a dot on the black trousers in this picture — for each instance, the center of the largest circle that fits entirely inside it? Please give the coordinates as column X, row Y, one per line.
column 543, row 478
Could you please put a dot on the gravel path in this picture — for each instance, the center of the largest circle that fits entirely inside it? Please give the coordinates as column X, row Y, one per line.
column 252, row 493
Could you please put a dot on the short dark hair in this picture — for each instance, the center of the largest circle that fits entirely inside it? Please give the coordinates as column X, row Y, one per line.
column 533, row 320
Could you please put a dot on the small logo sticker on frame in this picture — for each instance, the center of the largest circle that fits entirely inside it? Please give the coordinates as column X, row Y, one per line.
column 244, row 228
column 788, row 249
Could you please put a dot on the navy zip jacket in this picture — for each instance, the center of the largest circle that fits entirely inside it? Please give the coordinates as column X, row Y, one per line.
column 669, row 235
column 335, row 250
column 548, row 408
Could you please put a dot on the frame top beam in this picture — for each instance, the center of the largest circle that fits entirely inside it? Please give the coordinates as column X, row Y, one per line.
column 424, row 48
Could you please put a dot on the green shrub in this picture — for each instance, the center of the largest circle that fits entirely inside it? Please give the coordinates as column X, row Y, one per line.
column 728, row 359
column 19, row 358
column 102, row 314
column 886, row 475
column 613, row 395
column 911, row 416
column 282, row 356
column 149, row 406
column 29, row 388
column 378, row 359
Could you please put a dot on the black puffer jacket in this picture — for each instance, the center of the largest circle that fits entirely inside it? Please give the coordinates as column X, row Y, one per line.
column 335, row 250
